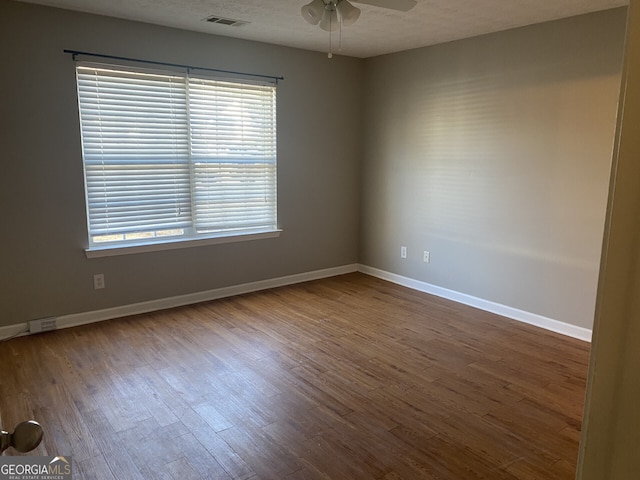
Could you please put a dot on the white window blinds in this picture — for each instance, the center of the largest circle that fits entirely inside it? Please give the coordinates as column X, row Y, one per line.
column 233, row 151
column 166, row 155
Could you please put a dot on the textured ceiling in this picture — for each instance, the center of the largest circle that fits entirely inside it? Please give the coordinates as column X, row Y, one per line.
column 377, row 31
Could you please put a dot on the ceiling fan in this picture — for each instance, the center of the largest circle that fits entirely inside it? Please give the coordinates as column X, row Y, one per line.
column 332, row 14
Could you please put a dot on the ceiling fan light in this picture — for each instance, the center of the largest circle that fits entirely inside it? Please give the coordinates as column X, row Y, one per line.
column 329, row 22
column 313, row 11
column 347, row 12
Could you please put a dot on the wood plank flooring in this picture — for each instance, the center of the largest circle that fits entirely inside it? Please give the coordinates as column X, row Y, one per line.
column 344, row 378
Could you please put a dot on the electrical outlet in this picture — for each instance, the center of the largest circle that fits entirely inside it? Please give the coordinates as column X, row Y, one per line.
column 98, row 281
column 403, row 252
column 426, row 257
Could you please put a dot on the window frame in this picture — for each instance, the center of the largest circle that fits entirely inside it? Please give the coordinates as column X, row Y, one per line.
column 189, row 236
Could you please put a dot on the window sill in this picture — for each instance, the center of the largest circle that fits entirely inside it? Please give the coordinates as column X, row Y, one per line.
column 130, row 248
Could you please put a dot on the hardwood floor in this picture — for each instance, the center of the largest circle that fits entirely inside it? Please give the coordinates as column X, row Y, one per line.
column 345, row 378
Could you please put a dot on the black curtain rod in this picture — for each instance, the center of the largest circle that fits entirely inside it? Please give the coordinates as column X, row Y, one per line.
column 75, row 53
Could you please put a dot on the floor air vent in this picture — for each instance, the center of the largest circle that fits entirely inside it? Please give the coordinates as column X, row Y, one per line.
column 43, row 325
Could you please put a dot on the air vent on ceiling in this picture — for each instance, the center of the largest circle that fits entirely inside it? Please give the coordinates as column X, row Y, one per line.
column 225, row 21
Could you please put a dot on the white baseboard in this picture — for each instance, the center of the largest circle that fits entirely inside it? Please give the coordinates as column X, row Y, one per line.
column 486, row 305
column 76, row 319
column 84, row 318
column 16, row 330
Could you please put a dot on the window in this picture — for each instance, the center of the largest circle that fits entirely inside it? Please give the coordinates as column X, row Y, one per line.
column 171, row 156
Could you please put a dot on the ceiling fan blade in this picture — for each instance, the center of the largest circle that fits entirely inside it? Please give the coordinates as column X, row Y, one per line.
column 400, row 5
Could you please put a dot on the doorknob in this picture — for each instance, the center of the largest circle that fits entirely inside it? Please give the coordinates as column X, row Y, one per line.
column 25, row 437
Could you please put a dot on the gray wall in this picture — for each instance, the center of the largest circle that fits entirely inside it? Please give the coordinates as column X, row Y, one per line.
column 43, row 266
column 493, row 153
